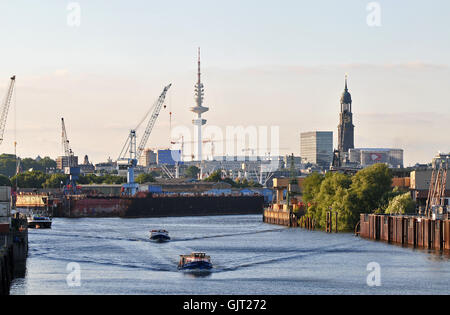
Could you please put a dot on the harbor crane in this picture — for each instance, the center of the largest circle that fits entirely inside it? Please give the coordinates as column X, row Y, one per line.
column 130, row 154
column 71, row 169
column 5, row 107
column 436, row 205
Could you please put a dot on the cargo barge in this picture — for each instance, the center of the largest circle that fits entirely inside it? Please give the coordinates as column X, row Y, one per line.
column 152, row 206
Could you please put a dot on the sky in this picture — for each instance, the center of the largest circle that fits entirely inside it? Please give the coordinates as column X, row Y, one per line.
column 264, row 63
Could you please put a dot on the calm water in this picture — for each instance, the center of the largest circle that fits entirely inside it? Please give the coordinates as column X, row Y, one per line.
column 250, row 257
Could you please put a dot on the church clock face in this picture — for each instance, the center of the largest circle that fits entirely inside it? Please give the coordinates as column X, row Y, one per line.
column 347, row 119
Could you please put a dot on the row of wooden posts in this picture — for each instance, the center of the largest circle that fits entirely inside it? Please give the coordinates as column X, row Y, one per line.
column 329, row 222
column 309, row 223
column 305, row 222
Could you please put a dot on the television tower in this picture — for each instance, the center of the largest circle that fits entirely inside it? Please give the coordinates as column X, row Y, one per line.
column 199, row 110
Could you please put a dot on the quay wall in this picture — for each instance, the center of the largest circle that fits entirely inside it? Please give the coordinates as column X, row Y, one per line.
column 280, row 218
column 414, row 231
column 6, row 269
column 13, row 254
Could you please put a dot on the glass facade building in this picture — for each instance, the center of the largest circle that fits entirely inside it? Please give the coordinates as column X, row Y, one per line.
column 317, row 148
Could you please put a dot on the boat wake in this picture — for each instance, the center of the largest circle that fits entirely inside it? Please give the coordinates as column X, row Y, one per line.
column 295, row 254
column 226, row 235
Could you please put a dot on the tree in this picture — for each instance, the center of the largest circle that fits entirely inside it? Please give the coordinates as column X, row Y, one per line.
column 401, row 204
column 231, row 182
column 46, row 163
column 92, row 179
column 30, row 179
column 387, row 197
column 254, row 184
column 4, row 181
column 192, row 172
column 113, row 180
column 29, row 164
column 332, row 196
column 145, row 178
column 8, row 165
column 55, row 180
column 311, row 186
column 214, row 177
column 366, row 192
column 371, row 185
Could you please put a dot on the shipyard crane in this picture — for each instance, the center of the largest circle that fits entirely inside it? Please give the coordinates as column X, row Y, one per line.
column 130, row 154
column 71, row 169
column 5, row 107
column 436, row 194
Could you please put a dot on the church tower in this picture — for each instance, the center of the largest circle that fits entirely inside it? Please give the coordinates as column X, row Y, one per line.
column 346, row 129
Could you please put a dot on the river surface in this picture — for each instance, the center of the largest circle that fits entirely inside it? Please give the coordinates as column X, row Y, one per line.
column 115, row 256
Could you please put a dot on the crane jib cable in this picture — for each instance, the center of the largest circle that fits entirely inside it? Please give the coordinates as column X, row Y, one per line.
column 152, row 121
column 154, row 111
column 5, row 107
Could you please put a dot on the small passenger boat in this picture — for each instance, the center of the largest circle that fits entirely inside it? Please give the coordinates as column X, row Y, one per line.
column 195, row 261
column 39, row 221
column 159, row 236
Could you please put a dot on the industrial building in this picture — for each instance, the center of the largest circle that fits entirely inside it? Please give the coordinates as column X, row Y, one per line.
column 257, row 169
column 420, row 186
column 288, row 159
column 317, row 148
column 370, row 156
column 148, row 158
column 183, row 186
column 168, row 157
column 106, row 167
column 63, row 161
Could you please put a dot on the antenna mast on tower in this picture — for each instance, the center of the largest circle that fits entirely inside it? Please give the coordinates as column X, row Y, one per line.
column 199, row 109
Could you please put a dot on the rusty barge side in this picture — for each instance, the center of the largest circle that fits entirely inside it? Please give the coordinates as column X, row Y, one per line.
column 151, row 206
column 417, row 232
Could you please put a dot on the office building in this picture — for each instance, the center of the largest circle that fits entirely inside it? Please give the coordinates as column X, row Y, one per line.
column 317, row 148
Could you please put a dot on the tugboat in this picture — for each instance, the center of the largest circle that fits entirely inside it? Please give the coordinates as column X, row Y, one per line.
column 39, row 221
column 195, row 261
column 159, row 236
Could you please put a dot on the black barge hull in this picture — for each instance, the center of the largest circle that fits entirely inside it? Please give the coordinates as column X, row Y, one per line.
column 159, row 206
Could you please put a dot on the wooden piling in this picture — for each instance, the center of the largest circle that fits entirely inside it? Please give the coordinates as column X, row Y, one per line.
column 336, row 222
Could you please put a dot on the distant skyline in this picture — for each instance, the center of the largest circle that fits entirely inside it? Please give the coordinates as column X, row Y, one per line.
column 263, row 63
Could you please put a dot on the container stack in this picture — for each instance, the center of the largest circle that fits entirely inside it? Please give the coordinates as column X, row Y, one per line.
column 5, row 209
